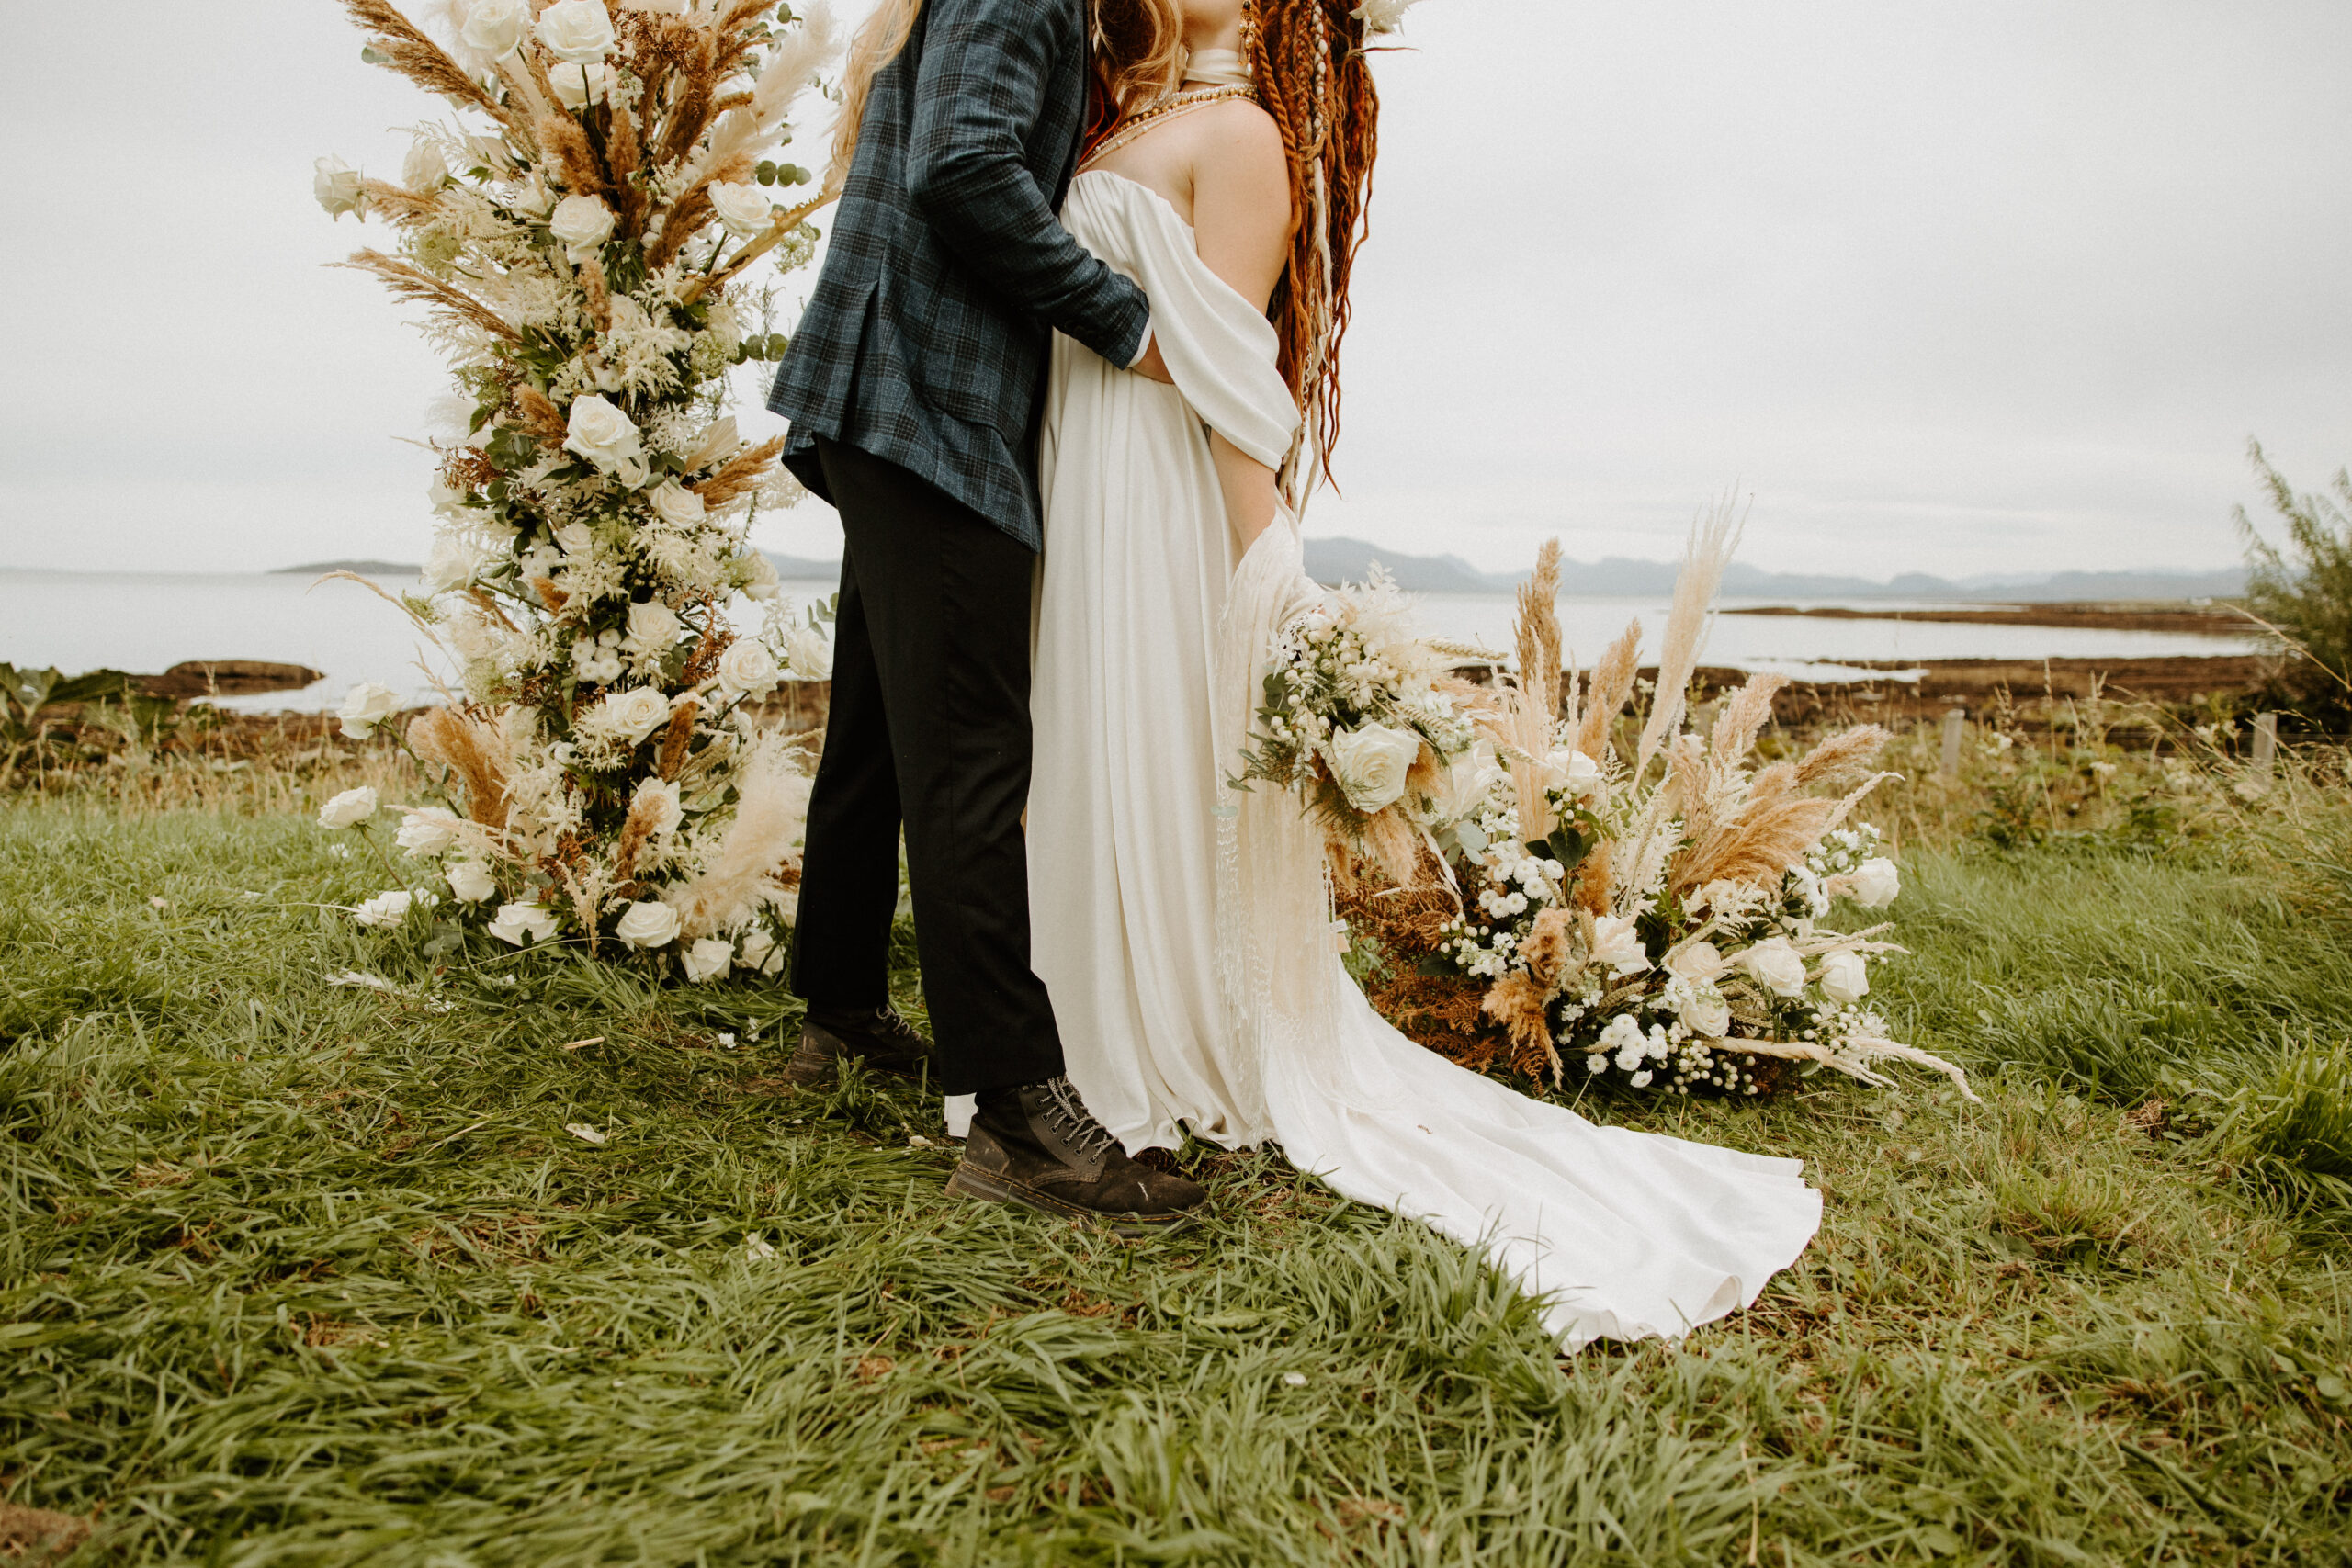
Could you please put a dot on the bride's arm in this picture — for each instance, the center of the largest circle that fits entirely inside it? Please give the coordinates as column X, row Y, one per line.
column 1241, row 225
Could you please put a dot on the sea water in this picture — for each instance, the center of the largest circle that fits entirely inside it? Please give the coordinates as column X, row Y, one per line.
column 146, row 622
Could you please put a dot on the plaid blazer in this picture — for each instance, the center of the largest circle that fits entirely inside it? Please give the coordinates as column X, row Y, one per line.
column 924, row 342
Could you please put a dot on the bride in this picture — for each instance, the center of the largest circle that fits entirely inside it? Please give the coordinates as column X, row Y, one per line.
column 1180, row 925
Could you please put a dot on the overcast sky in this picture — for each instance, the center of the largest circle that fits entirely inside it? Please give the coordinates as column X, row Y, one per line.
column 1992, row 286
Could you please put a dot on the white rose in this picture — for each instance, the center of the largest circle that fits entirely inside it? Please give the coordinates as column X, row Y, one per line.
column 453, row 563
column 576, row 30
column 605, row 437
column 366, row 706
column 424, row 169
column 1694, row 960
column 577, row 86
column 428, row 831
column 1707, row 1012
column 1774, row 965
column 383, row 910
column 470, row 880
column 350, row 808
column 743, row 209
column 336, row 185
column 810, row 654
column 648, row 924
column 1617, row 945
column 634, row 715
column 1876, row 883
column 1466, row 781
column 1382, row 16
column 580, row 224
column 519, row 924
column 1578, row 773
column 675, row 504
column 759, row 581
column 577, row 538
column 664, row 809
column 495, row 26
column 746, row 669
column 1369, row 763
column 1844, row 978
column 708, row 958
column 653, row 627
column 760, row 950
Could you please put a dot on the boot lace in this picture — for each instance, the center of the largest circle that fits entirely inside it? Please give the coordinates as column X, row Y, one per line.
column 1068, row 1115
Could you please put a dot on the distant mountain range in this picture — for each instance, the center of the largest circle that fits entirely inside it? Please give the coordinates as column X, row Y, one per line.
column 1347, row 560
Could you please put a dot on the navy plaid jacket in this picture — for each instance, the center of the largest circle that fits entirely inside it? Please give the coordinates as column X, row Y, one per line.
column 925, row 340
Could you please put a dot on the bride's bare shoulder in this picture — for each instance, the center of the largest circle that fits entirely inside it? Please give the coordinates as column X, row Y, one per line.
column 1239, row 133
column 1238, row 155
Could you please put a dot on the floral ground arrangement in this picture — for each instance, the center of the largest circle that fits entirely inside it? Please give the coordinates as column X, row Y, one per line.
column 460, row 1270
column 1541, row 872
column 581, row 236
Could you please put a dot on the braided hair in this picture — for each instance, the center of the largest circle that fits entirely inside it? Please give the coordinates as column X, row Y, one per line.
column 1308, row 58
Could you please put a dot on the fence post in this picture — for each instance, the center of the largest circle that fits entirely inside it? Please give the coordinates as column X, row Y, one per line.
column 2265, row 741
column 1953, row 719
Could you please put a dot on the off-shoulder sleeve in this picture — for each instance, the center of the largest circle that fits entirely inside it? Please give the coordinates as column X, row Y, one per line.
column 1220, row 348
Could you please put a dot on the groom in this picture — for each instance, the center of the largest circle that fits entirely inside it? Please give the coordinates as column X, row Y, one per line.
column 913, row 390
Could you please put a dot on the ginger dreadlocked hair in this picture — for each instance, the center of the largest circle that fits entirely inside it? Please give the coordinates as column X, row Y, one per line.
column 1308, row 58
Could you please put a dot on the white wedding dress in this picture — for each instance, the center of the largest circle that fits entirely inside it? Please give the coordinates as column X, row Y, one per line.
column 1181, row 926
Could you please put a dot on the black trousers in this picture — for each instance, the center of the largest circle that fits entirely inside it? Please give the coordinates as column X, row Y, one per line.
column 929, row 727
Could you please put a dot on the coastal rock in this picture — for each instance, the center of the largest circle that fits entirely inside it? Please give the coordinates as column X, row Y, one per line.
column 226, row 678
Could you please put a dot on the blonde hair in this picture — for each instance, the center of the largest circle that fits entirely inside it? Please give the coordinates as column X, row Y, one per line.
column 877, row 43
column 1135, row 52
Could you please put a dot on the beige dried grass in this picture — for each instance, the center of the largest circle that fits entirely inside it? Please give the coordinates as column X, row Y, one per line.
column 1714, row 534
column 470, row 751
column 1590, row 892
column 738, row 474
column 676, row 738
column 567, row 147
column 1551, row 942
column 1536, row 631
column 771, row 811
column 536, row 413
column 1842, row 753
column 1392, row 846
column 598, row 294
column 1517, row 1003
column 402, row 206
column 418, row 286
column 410, row 52
column 1611, row 688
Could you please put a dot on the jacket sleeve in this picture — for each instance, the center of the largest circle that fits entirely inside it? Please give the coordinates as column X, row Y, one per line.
column 979, row 93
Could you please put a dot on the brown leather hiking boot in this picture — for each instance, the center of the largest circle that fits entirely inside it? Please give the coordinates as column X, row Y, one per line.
column 881, row 1039
column 1037, row 1146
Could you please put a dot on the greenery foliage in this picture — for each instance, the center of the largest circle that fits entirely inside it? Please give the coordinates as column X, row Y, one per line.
column 301, row 1272
column 2303, row 586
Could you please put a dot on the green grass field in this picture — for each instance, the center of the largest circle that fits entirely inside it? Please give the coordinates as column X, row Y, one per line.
column 304, row 1274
